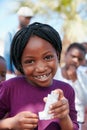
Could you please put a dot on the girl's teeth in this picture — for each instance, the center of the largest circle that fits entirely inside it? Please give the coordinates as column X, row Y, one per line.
column 42, row 77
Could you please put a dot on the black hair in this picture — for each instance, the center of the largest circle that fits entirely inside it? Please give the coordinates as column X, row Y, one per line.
column 1, row 57
column 76, row 45
column 84, row 44
column 22, row 37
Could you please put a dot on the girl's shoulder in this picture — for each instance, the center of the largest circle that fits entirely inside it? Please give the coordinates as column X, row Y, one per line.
column 15, row 81
column 67, row 88
column 62, row 84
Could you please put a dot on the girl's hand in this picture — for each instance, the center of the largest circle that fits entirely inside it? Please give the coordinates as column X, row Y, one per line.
column 60, row 109
column 24, row 121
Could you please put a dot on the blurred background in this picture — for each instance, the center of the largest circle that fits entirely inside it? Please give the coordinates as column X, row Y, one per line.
column 68, row 17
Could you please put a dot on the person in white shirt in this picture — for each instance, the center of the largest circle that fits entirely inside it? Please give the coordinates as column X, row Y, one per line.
column 74, row 57
column 24, row 17
column 83, row 68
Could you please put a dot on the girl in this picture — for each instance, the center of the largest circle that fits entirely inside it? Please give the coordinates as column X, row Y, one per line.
column 35, row 52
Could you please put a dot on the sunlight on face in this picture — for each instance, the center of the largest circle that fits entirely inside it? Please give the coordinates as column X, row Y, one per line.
column 39, row 61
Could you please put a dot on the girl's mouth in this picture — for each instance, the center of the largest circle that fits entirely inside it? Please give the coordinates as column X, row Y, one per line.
column 42, row 77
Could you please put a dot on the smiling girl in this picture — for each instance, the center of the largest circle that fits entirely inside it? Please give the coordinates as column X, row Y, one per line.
column 35, row 52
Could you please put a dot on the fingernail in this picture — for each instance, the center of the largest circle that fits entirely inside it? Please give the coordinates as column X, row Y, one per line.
column 49, row 112
column 50, row 107
column 63, row 101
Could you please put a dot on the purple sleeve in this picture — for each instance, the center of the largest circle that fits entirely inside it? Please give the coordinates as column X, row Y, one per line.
column 73, row 112
column 4, row 100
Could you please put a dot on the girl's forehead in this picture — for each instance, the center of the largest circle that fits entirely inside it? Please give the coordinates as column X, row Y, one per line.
column 37, row 45
column 37, row 42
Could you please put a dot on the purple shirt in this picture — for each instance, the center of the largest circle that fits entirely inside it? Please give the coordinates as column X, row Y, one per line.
column 18, row 95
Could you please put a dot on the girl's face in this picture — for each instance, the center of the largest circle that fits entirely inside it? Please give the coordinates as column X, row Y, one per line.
column 74, row 57
column 2, row 70
column 39, row 62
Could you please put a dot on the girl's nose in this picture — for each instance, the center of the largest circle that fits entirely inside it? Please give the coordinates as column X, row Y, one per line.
column 41, row 67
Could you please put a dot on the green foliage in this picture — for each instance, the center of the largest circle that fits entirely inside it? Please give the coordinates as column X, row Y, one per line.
column 71, row 11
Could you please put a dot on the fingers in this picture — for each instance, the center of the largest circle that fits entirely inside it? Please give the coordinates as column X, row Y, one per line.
column 29, row 123
column 29, row 126
column 60, row 92
column 57, row 91
column 45, row 99
column 25, row 120
column 28, row 114
column 60, row 109
column 29, row 120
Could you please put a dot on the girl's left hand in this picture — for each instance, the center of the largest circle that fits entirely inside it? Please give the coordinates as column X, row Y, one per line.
column 60, row 109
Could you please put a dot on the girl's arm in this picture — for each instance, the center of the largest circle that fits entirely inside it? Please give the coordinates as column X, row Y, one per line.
column 6, row 124
column 61, row 110
column 66, row 123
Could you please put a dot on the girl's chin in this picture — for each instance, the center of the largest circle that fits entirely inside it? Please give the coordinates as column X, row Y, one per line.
column 42, row 84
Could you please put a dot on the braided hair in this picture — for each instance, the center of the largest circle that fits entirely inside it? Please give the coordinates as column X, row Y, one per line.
column 22, row 37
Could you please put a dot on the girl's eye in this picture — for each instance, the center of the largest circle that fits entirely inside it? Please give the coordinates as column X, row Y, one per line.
column 29, row 62
column 49, row 57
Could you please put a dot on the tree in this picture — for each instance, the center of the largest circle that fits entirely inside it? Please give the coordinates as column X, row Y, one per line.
column 71, row 12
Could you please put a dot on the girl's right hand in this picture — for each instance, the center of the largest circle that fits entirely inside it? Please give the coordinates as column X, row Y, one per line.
column 24, row 121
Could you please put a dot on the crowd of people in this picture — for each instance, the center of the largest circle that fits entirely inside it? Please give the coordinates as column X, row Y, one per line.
column 30, row 69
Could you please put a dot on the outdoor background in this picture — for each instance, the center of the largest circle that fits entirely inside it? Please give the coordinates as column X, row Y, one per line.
column 68, row 17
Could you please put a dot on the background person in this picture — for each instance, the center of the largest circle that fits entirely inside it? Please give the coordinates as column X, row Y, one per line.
column 24, row 16
column 85, row 46
column 3, row 69
column 74, row 57
column 83, row 67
